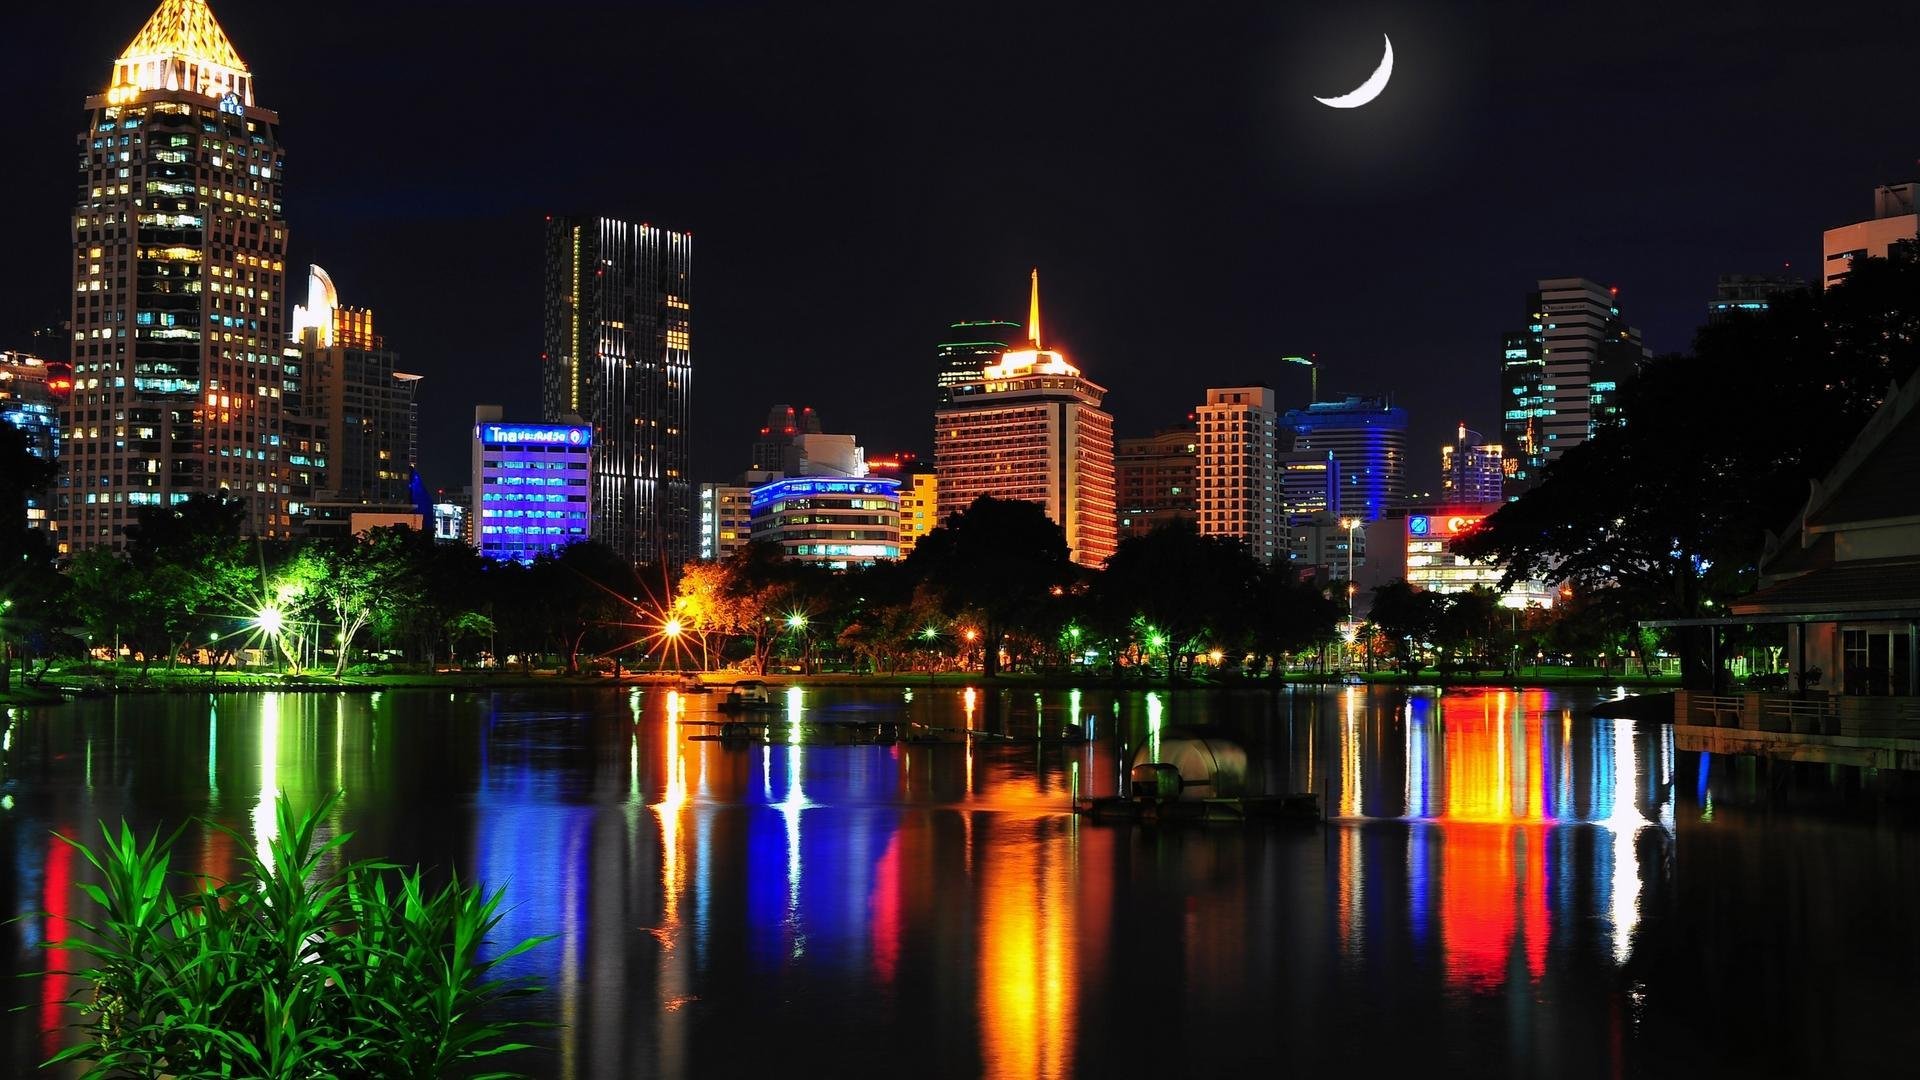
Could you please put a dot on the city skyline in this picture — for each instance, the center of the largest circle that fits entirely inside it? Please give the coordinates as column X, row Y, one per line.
column 1266, row 278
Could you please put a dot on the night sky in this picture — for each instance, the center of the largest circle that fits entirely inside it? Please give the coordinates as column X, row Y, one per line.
column 858, row 175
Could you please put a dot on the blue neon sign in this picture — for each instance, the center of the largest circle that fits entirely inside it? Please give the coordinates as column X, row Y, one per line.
column 1419, row 525
column 800, row 489
column 536, row 435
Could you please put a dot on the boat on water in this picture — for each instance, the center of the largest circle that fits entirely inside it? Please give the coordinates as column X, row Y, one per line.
column 750, row 695
column 692, row 685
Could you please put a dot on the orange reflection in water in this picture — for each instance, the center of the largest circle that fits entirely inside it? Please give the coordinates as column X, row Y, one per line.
column 1029, row 978
column 1492, row 837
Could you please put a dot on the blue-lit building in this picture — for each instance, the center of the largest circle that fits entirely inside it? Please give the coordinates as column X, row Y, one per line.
column 530, row 485
column 31, row 390
column 835, row 522
column 1367, row 437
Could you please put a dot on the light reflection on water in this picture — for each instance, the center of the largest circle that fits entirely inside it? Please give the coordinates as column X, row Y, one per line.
column 1488, row 882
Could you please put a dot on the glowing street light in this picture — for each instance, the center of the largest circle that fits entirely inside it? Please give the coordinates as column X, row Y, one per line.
column 270, row 620
column 796, row 621
column 930, row 633
column 672, row 628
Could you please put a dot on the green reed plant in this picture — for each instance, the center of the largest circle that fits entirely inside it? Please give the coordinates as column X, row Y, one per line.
column 308, row 965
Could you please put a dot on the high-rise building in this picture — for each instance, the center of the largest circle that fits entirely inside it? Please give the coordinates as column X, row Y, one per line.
column 1309, row 484
column 619, row 355
column 829, row 521
column 179, row 245
column 1030, row 427
column 1367, row 437
column 1240, row 494
column 350, row 387
column 784, row 424
column 1895, row 223
column 1471, row 471
column 969, row 348
column 530, row 486
column 919, row 507
column 1562, row 375
column 1736, row 294
column 31, row 391
column 1157, row 478
column 726, row 519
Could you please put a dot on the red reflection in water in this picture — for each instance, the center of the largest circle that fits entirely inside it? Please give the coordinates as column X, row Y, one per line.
column 53, row 986
column 885, row 906
column 1492, row 837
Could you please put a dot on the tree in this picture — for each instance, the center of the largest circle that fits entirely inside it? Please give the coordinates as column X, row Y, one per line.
column 29, row 587
column 592, row 593
column 1407, row 616
column 189, row 571
column 1289, row 617
column 998, row 560
column 356, row 581
column 1192, row 591
column 1670, row 510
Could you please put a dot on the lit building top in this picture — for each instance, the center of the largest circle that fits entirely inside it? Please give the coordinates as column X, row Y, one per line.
column 181, row 48
column 1034, row 360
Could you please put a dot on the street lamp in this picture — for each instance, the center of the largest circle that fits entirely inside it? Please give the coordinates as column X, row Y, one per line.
column 271, row 620
column 1350, row 524
column 1313, row 375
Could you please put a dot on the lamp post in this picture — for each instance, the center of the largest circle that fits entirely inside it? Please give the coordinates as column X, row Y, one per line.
column 1313, row 375
column 672, row 629
column 1350, row 524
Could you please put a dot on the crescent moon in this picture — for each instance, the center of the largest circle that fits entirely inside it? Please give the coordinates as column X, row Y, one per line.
column 1368, row 90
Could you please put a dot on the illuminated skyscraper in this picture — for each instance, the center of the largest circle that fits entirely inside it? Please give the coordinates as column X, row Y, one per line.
column 31, row 390
column 530, row 485
column 1031, row 428
column 1240, row 496
column 179, row 290
column 1367, row 437
column 969, row 348
column 1562, row 375
column 342, row 379
column 1470, row 470
column 619, row 355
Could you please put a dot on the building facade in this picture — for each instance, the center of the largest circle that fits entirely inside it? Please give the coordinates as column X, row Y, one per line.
column 784, row 424
column 1895, row 223
column 1240, row 496
column 919, row 508
column 1562, row 375
column 342, row 379
column 1472, row 471
column 1309, row 484
column 969, row 348
column 1432, row 564
column 726, row 519
column 531, row 486
column 179, row 247
column 1749, row 294
column 31, row 393
column 619, row 355
column 1157, row 478
column 1367, row 437
column 1031, row 428
column 829, row 521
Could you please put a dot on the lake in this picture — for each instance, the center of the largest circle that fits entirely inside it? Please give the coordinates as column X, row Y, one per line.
column 1504, row 886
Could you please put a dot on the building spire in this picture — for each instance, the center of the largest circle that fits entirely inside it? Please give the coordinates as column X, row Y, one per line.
column 1033, row 311
column 181, row 47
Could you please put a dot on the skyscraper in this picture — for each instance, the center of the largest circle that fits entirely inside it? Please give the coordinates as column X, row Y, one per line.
column 1895, row 223
column 350, row 387
column 1030, row 427
column 619, row 356
column 784, row 424
column 1367, row 437
column 968, row 349
column 1240, row 494
column 1470, row 470
column 178, row 304
column 530, row 484
column 1562, row 375
column 31, row 390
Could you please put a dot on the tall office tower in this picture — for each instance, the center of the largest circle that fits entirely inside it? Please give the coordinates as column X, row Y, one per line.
column 1309, row 484
column 619, row 356
column 178, row 301
column 968, row 350
column 1367, row 436
column 31, row 391
column 1471, row 471
column 784, row 424
column 1895, row 223
column 1562, row 375
column 726, row 519
column 1157, row 478
column 1736, row 294
column 1240, row 493
column 1030, row 427
column 350, row 387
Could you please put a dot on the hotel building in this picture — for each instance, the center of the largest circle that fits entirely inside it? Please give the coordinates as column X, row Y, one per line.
column 1240, row 496
column 178, row 315
column 619, row 354
column 1031, row 428
column 530, row 486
